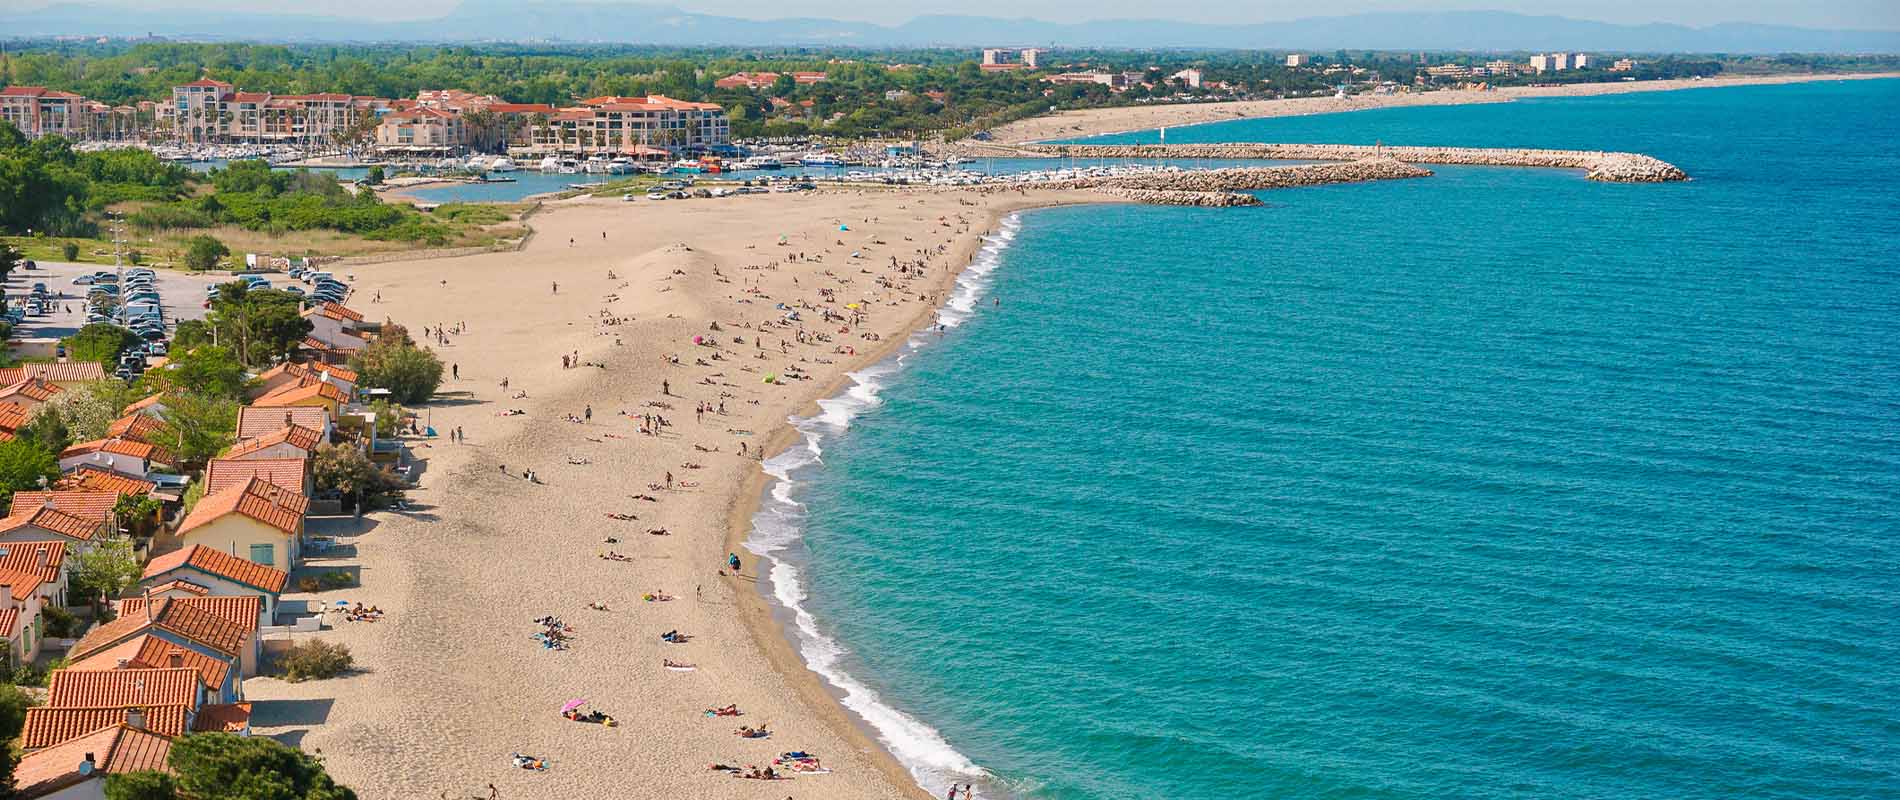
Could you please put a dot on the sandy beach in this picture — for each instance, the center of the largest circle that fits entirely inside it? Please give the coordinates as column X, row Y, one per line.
column 1095, row 122
column 451, row 681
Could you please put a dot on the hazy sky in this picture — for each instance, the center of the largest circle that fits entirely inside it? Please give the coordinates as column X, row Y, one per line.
column 1856, row 14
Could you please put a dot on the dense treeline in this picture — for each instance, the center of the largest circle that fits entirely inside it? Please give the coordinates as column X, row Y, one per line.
column 872, row 91
column 47, row 186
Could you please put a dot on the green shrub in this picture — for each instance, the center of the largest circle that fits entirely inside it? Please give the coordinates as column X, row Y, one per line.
column 60, row 623
column 326, row 581
column 175, row 215
column 69, row 251
column 315, row 659
column 204, row 252
column 135, row 257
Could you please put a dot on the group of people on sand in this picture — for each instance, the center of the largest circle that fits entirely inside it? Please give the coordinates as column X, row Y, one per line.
column 360, row 613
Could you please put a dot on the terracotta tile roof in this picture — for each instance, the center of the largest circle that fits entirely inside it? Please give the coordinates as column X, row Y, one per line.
column 291, row 395
column 180, row 585
column 208, row 82
column 25, row 557
column 226, row 717
column 148, row 652
column 241, row 610
column 174, row 616
column 68, row 372
column 221, row 564
column 277, row 506
column 118, row 447
column 99, row 479
column 12, row 416
column 36, row 389
column 149, row 402
column 20, row 585
column 9, row 622
column 51, row 519
column 296, row 436
column 83, row 504
column 46, row 727
column 334, row 372
column 136, row 427
column 23, row 91
column 116, row 750
column 321, row 346
column 254, row 422
column 123, row 687
column 338, row 311
column 225, row 473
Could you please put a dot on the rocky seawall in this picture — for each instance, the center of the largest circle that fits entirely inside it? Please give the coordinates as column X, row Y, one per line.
column 1597, row 165
column 1219, row 188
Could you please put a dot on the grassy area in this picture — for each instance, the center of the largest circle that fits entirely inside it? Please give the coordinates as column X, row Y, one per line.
column 638, row 184
column 470, row 225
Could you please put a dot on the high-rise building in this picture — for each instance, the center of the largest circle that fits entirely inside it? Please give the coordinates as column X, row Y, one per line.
column 1562, row 59
column 1541, row 64
column 1580, row 61
column 1298, row 60
column 1032, row 58
column 995, row 55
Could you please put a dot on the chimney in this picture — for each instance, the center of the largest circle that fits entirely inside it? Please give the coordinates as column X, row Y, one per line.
column 135, row 718
column 287, row 418
column 46, row 557
column 122, row 663
column 148, row 604
column 175, row 661
column 89, row 765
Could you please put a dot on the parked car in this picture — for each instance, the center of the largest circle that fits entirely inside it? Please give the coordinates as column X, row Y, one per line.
column 83, row 280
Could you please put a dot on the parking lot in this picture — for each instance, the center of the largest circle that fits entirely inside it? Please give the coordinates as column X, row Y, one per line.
column 181, row 296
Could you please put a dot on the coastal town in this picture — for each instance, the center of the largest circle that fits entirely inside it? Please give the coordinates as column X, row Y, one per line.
column 309, row 473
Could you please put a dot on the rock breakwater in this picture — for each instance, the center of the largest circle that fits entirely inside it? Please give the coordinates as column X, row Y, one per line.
column 1597, row 165
column 1218, row 187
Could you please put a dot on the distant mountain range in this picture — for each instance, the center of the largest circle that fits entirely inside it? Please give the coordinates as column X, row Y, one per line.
column 541, row 20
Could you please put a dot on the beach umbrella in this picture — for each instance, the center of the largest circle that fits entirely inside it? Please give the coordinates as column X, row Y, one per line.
column 844, row 227
column 573, row 704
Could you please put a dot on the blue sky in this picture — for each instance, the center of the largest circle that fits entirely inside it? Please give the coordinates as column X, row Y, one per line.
column 1851, row 14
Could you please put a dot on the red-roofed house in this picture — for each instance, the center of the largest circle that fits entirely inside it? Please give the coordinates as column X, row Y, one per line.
column 243, row 610
column 184, row 630
column 289, row 374
column 30, row 393
column 315, row 393
column 217, row 574
column 126, row 456
column 77, row 768
column 224, row 473
column 37, row 523
column 46, row 559
column 99, row 479
column 68, row 375
column 295, row 441
column 259, row 520
column 255, row 422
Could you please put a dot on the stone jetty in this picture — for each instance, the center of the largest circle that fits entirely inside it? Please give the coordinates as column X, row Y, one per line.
column 1597, row 165
column 1219, row 187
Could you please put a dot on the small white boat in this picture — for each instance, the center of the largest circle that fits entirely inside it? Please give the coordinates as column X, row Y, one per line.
column 621, row 166
column 550, row 164
column 821, row 160
column 502, row 164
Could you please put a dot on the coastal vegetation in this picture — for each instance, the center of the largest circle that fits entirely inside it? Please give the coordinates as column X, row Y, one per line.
column 315, row 659
column 394, row 362
column 226, row 766
column 57, row 203
column 866, row 91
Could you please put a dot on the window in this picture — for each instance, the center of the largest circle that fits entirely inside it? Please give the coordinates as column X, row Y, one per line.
column 264, row 554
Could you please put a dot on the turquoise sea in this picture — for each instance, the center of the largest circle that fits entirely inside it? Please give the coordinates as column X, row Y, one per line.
column 1497, row 484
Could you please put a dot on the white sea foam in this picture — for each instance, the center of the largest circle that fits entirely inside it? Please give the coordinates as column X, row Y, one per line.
column 778, row 528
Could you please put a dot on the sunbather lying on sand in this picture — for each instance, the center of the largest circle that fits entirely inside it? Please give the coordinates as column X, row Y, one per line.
column 657, row 595
column 622, row 517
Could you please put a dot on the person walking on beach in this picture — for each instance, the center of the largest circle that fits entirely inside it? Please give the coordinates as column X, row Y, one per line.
column 666, row 389
column 455, row 371
column 557, row 284
column 588, row 414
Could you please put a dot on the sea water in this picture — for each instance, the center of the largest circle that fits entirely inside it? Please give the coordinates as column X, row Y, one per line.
column 1495, row 484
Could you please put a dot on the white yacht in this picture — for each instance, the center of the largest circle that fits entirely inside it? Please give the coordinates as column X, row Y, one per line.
column 550, row 164
column 502, row 164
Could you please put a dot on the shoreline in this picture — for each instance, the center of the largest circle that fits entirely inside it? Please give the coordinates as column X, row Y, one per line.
column 1131, row 119
column 462, row 572
column 762, row 612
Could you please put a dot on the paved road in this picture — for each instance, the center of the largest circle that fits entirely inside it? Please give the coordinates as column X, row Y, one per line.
column 181, row 296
